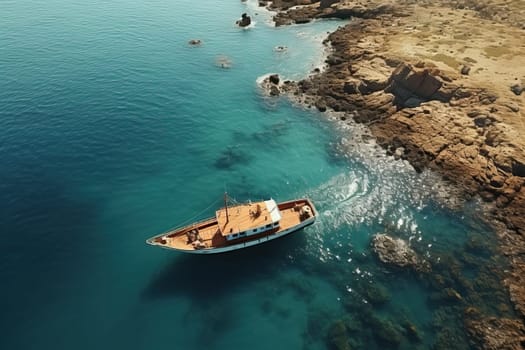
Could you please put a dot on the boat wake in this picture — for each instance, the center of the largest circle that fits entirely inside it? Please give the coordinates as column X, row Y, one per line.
column 374, row 193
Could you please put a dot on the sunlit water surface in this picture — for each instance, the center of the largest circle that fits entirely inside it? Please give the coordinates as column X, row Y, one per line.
column 113, row 128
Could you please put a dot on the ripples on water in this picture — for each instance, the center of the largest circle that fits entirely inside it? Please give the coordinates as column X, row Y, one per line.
column 377, row 194
column 113, row 128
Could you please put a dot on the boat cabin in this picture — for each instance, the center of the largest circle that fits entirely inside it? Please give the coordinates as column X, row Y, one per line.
column 248, row 219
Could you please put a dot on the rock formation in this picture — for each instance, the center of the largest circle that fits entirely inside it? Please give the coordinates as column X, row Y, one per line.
column 274, row 79
column 195, row 42
column 439, row 88
column 494, row 334
column 244, row 21
column 397, row 252
column 272, row 85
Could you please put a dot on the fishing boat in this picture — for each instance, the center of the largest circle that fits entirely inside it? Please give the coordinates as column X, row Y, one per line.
column 239, row 226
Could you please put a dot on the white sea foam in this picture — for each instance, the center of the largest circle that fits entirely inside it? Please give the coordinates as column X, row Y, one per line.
column 375, row 188
column 261, row 12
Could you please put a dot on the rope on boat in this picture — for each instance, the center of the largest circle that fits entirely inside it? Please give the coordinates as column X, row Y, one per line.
column 187, row 221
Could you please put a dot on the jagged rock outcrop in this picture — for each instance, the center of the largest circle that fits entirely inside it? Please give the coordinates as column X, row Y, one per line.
column 273, row 85
column 330, row 9
column 244, row 21
column 412, row 86
column 274, row 79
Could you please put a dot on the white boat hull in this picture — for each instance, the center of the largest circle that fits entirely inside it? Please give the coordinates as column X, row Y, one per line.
column 247, row 243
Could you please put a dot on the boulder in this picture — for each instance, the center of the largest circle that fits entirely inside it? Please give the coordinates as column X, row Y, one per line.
column 446, row 92
column 418, row 85
column 274, row 91
column 351, row 87
column 274, row 79
column 465, row 70
column 195, row 42
column 321, row 105
column 374, row 76
column 244, row 21
column 421, row 83
column 327, row 3
column 302, row 20
column 517, row 89
column 482, row 121
column 513, row 107
column 272, row 86
column 395, row 251
column 518, row 169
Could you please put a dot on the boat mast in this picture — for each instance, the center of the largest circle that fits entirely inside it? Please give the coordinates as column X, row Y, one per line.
column 226, row 205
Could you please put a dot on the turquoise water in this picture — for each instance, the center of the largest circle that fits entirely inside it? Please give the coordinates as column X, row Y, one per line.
column 113, row 128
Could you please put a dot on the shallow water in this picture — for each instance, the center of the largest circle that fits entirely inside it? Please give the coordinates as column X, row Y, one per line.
column 113, row 128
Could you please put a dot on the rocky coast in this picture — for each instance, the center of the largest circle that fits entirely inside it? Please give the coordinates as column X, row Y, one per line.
column 439, row 84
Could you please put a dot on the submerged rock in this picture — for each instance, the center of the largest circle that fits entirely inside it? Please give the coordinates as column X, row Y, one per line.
column 337, row 336
column 223, row 62
column 231, row 157
column 447, row 295
column 385, row 332
column 493, row 333
column 411, row 332
column 395, row 251
column 195, row 42
column 375, row 294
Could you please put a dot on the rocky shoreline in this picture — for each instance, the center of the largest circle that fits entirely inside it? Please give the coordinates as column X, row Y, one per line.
column 438, row 84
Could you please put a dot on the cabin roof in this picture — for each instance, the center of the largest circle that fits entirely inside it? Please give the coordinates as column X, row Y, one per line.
column 247, row 216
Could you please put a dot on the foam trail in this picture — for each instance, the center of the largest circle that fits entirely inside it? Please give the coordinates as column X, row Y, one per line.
column 375, row 189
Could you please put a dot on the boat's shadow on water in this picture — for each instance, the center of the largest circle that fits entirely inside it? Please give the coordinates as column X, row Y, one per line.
column 199, row 276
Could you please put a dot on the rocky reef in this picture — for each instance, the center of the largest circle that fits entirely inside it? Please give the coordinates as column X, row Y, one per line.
column 439, row 83
column 395, row 251
column 492, row 333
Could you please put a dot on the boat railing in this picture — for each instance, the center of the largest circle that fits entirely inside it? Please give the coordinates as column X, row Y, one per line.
column 181, row 227
column 210, row 220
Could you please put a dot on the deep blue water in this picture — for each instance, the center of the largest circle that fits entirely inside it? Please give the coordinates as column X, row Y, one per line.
column 113, row 128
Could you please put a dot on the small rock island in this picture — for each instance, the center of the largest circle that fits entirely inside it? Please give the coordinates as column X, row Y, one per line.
column 245, row 20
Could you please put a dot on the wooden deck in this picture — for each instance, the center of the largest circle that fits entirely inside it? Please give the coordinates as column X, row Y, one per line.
column 209, row 234
column 243, row 217
column 290, row 217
